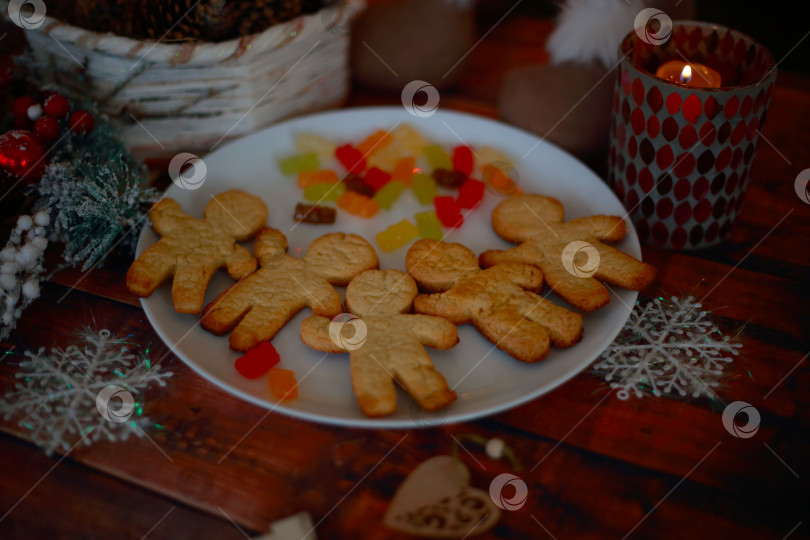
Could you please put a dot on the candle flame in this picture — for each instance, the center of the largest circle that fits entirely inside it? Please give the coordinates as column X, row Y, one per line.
column 686, row 74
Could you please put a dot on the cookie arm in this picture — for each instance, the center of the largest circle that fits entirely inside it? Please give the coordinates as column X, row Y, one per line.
column 240, row 262
column 525, row 276
column 526, row 253
column 607, row 228
column 226, row 310
column 584, row 293
column 320, row 296
column 315, row 334
column 442, row 305
column 434, row 332
column 618, row 268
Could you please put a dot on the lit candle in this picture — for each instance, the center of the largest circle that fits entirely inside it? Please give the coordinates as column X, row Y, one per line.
column 689, row 74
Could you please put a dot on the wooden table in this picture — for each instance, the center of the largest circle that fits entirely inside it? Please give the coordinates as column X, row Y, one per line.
column 652, row 467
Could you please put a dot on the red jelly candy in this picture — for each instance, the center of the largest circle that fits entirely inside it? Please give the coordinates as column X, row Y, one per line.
column 463, row 159
column 258, row 360
column 448, row 212
column 351, row 158
column 470, row 193
column 375, row 178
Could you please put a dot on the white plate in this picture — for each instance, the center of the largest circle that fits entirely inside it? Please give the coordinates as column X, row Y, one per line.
column 497, row 382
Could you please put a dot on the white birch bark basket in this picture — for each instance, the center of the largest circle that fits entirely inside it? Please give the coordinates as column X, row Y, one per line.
column 194, row 95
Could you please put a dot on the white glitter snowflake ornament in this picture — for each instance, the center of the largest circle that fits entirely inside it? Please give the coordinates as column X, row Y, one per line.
column 667, row 348
column 60, row 398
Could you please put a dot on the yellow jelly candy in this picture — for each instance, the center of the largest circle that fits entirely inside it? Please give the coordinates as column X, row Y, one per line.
column 397, row 235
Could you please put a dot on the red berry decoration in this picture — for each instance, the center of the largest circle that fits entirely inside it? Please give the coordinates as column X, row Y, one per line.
column 47, row 128
column 21, row 155
column 57, row 105
column 81, row 122
column 21, row 106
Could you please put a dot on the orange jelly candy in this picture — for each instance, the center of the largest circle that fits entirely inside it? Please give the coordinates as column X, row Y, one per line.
column 358, row 205
column 498, row 180
column 374, row 142
column 282, row 384
column 309, row 178
column 403, row 170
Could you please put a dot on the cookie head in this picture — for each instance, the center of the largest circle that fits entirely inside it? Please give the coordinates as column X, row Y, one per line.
column 516, row 219
column 438, row 266
column 381, row 292
column 236, row 213
column 338, row 257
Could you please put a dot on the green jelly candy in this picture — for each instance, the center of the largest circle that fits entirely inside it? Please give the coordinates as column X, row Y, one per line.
column 292, row 165
column 397, row 235
column 424, row 187
column 429, row 225
column 437, row 158
column 324, row 192
column 389, row 193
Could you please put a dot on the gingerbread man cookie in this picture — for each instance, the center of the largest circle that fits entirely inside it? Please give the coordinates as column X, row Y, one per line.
column 500, row 301
column 571, row 255
column 388, row 343
column 193, row 249
column 257, row 307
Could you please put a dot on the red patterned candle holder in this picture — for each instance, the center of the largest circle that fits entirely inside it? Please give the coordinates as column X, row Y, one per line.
column 679, row 155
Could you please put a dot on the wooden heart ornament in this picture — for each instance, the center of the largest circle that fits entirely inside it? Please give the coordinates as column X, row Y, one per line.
column 436, row 501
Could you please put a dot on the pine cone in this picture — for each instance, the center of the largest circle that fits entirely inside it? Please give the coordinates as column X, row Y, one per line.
column 95, row 15
column 209, row 20
column 174, row 20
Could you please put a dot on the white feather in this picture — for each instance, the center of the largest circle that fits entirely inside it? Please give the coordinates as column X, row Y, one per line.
column 589, row 30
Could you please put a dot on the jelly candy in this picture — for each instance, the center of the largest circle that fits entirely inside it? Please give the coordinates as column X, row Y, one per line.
column 389, row 193
column 403, row 170
column 358, row 205
column 463, row 160
column 355, row 182
column 376, row 178
column 470, row 193
column 487, row 155
column 429, row 225
column 282, row 384
column 351, row 158
column 310, row 142
column 258, row 360
column 409, row 140
column 386, row 158
column 497, row 178
column 324, row 192
column 437, row 157
column 374, row 143
column 293, row 165
column 448, row 178
column 397, row 235
column 448, row 212
column 312, row 213
column 308, row 178
column 424, row 187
